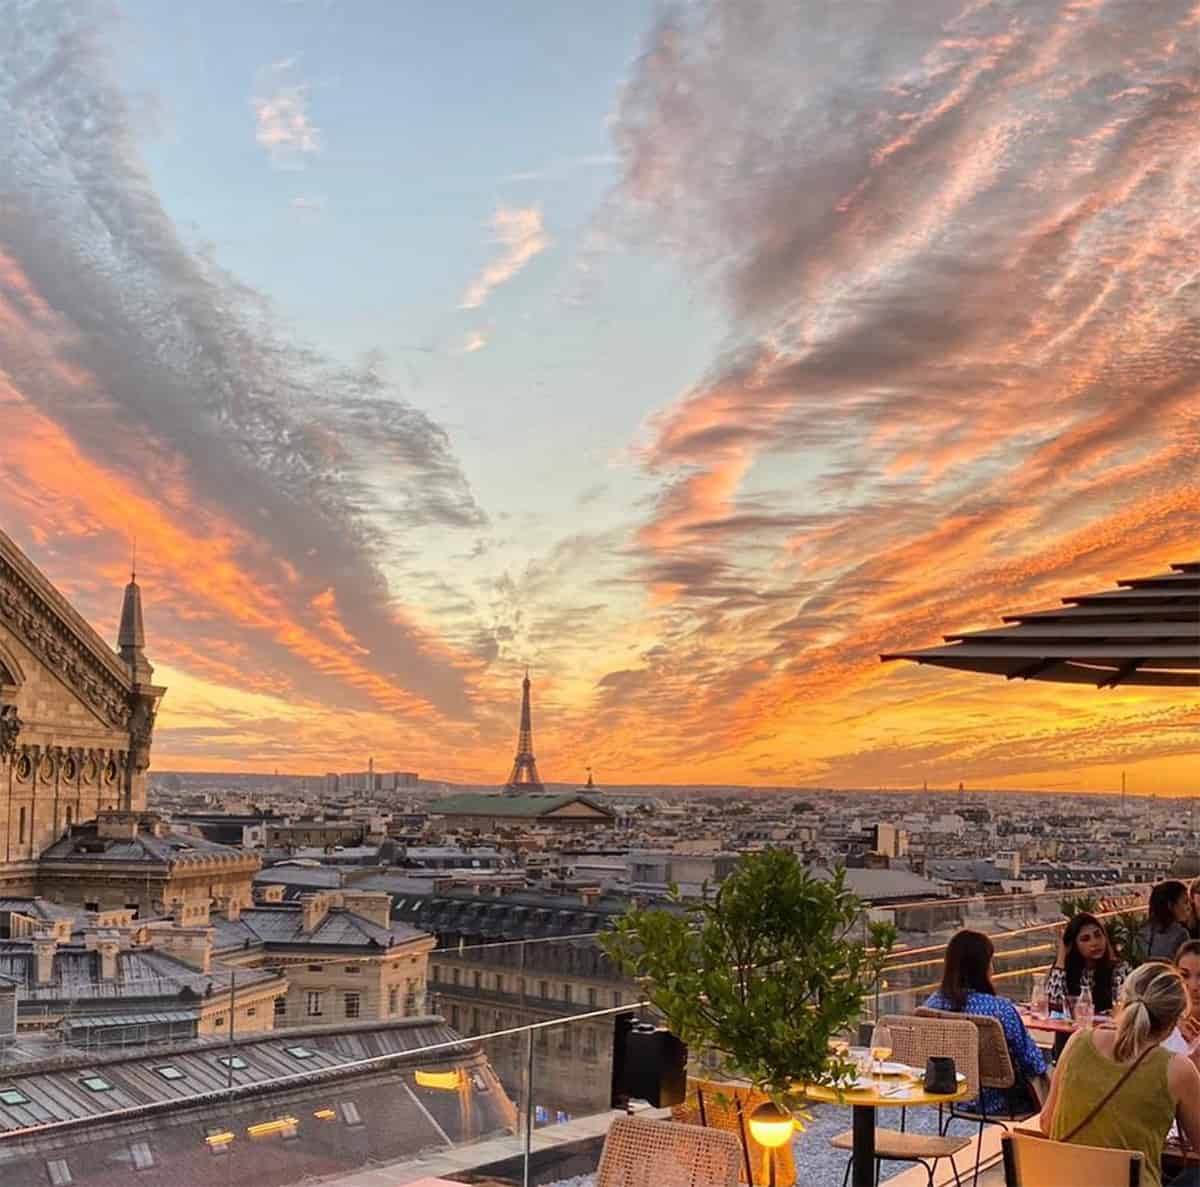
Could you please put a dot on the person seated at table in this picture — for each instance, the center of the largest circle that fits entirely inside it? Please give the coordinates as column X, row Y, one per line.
column 967, row 989
column 1086, row 960
column 1169, row 914
column 1187, row 961
column 1116, row 1086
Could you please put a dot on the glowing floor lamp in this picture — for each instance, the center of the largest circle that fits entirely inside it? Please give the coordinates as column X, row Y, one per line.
column 771, row 1127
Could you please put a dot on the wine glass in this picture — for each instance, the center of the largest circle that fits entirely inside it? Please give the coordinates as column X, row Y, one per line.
column 881, row 1046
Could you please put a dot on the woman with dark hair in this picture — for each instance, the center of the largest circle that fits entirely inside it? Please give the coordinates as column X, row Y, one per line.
column 967, row 989
column 1170, row 913
column 1086, row 961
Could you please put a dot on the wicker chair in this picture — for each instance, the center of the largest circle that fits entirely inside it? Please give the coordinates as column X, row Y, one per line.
column 640, row 1153
column 727, row 1106
column 1035, row 1162
column 996, row 1070
column 914, row 1040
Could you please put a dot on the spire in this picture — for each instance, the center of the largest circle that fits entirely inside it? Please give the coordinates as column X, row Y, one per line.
column 524, row 775
column 131, row 638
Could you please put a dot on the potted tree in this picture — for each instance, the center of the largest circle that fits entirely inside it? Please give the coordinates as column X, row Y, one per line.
column 759, row 976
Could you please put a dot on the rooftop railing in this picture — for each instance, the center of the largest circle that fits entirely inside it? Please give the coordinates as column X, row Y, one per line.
column 519, row 1095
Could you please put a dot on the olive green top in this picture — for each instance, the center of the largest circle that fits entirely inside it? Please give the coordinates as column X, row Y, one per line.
column 1138, row 1116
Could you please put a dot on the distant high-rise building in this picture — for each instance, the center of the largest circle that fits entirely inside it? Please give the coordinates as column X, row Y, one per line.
column 524, row 776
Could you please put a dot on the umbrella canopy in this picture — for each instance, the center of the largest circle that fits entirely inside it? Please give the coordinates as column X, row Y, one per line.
column 1145, row 632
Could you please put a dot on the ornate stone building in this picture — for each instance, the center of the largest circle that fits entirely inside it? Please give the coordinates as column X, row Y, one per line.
column 77, row 717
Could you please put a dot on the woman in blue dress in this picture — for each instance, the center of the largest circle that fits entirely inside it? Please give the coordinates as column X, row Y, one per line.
column 967, row 989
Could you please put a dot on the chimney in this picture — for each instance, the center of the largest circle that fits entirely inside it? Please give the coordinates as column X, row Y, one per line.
column 375, row 905
column 270, row 892
column 110, row 952
column 229, row 906
column 315, row 908
column 44, row 948
column 191, row 945
column 117, row 826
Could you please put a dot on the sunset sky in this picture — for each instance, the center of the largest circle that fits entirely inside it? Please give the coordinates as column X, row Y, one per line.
column 691, row 355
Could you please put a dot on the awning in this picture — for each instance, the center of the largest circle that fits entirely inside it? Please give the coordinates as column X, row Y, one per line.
column 1145, row 632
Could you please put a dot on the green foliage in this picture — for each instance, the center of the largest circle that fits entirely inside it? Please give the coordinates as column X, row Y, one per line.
column 1079, row 904
column 764, row 972
column 1125, row 931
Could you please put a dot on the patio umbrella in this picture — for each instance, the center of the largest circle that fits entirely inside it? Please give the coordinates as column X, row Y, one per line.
column 1147, row 631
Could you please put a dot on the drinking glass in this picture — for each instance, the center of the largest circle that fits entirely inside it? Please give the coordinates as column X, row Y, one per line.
column 881, row 1047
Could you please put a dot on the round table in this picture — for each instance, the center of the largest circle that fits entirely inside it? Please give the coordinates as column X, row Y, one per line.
column 863, row 1102
column 1061, row 1026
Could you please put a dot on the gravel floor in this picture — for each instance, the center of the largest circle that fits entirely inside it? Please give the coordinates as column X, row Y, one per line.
column 817, row 1163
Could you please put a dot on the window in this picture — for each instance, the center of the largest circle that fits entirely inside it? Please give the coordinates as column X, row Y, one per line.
column 22, row 835
column 299, row 1052
column 477, row 980
column 564, row 1039
column 96, row 1084
column 233, row 1061
column 454, row 1017
column 353, row 1005
column 474, row 1022
column 616, row 997
column 252, row 1011
column 219, row 1020
column 566, row 996
column 393, row 1000
column 350, row 1113
column 10, row 1096
column 70, row 821
column 592, row 998
column 312, row 1003
column 589, row 1042
column 410, row 1003
column 454, row 975
column 544, row 990
column 143, row 1156
column 169, row 1071
column 59, row 1173
column 93, row 907
column 543, row 1040
column 316, row 968
column 280, row 1007
column 499, row 982
column 352, row 968
column 521, row 985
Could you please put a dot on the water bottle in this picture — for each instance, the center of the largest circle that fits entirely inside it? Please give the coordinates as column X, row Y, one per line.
column 1085, row 1008
column 1039, row 1002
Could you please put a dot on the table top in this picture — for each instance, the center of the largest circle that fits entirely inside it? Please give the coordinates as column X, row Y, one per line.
column 1064, row 1026
column 874, row 1098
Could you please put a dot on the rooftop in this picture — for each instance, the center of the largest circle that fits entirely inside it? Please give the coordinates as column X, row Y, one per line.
column 517, row 806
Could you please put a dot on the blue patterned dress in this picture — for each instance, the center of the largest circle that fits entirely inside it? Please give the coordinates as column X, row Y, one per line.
column 1024, row 1051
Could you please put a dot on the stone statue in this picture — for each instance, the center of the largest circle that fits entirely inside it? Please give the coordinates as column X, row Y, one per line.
column 10, row 727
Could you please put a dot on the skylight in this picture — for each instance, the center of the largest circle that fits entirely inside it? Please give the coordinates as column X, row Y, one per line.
column 96, row 1084
column 10, row 1096
column 233, row 1061
column 299, row 1052
column 169, row 1071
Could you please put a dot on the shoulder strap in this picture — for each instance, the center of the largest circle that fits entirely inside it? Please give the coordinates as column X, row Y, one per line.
column 1133, row 1067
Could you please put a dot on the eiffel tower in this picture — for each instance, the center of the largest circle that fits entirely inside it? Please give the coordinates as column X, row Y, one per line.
column 524, row 777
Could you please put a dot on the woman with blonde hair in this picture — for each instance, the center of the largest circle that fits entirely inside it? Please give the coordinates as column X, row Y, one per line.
column 1116, row 1086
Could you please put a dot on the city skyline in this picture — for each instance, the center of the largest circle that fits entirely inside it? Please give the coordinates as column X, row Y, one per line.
column 417, row 347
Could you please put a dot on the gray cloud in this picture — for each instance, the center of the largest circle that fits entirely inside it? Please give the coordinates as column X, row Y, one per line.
column 189, row 372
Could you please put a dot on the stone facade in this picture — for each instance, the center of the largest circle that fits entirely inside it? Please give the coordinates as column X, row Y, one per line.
column 344, row 958
column 76, row 717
